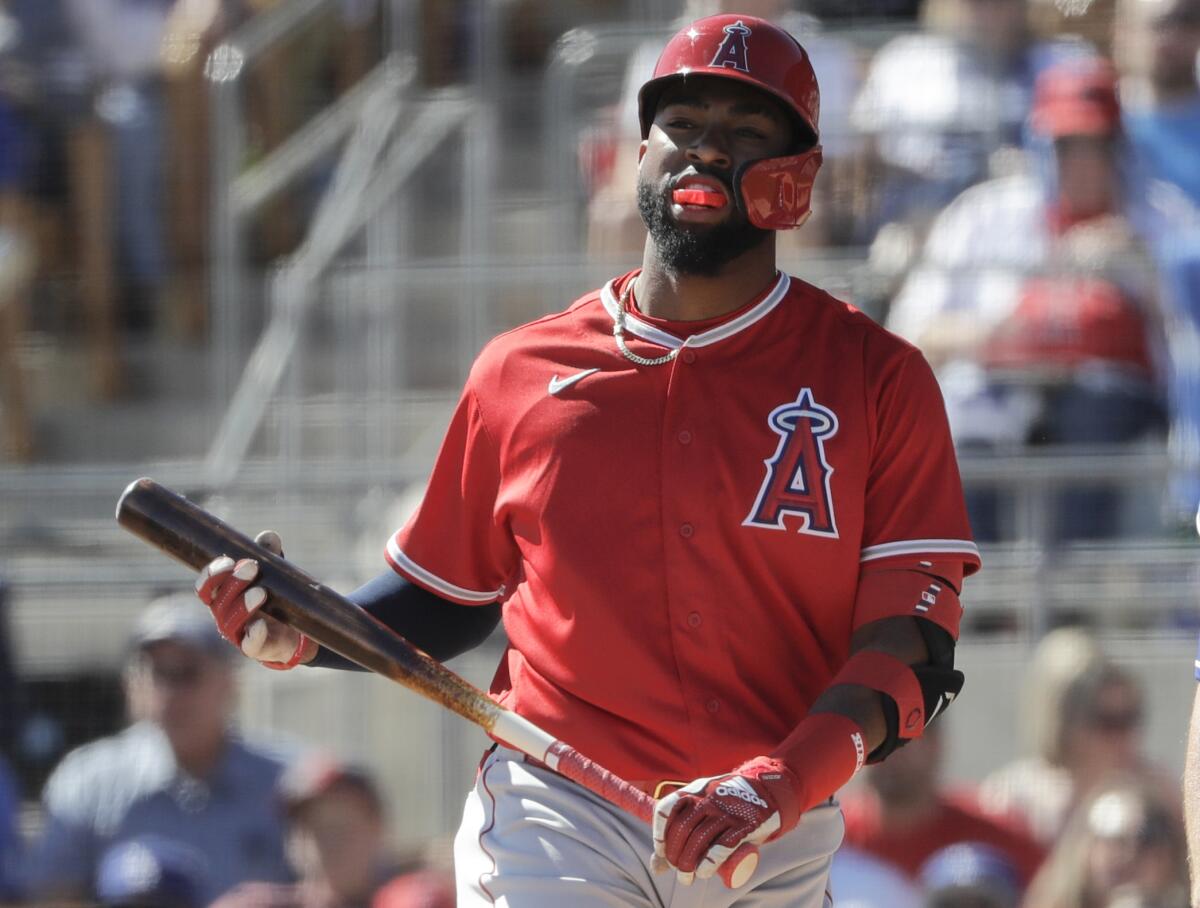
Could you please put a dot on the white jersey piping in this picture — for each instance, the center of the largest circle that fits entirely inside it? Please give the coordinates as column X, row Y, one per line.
column 408, row 566
column 920, row 547
column 656, row 335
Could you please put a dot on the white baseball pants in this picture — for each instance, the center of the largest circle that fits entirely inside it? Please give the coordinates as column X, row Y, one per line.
column 530, row 838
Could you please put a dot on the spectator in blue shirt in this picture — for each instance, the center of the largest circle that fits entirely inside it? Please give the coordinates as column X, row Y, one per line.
column 177, row 773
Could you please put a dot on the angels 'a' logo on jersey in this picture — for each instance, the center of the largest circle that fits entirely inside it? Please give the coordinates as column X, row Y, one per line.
column 797, row 480
column 732, row 52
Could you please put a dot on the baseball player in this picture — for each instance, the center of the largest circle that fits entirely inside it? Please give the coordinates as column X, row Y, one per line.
column 720, row 514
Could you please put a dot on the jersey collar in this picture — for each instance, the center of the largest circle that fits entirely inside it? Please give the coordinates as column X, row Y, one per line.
column 656, row 335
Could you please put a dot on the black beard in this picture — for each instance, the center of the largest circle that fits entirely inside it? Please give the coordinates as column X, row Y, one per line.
column 702, row 252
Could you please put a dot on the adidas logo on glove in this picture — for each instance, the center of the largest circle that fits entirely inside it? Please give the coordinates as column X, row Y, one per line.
column 740, row 788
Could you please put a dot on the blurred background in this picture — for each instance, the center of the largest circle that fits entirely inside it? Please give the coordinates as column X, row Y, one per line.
column 250, row 248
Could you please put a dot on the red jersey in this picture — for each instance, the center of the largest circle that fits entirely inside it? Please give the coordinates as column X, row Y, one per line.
column 678, row 547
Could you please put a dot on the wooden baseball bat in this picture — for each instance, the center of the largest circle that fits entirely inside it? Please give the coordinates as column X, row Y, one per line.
column 192, row 535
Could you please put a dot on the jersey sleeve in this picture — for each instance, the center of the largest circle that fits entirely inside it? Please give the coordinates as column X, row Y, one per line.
column 915, row 522
column 454, row 545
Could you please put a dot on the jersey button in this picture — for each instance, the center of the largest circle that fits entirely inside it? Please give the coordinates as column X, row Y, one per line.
column 694, row 619
column 712, row 705
column 688, row 357
column 685, row 437
column 687, row 530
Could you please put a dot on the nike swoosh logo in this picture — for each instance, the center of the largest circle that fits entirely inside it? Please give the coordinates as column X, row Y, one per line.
column 943, row 701
column 557, row 384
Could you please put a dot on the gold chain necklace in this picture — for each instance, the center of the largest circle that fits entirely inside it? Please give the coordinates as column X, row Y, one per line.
column 619, row 333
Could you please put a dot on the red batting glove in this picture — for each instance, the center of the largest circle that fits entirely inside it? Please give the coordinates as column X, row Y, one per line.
column 222, row 587
column 225, row 586
column 697, row 827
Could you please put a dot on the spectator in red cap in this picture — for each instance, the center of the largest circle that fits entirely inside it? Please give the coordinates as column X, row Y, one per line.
column 338, row 844
column 1037, row 298
column 905, row 814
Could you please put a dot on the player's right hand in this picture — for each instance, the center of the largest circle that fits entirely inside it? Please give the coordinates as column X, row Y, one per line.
column 227, row 588
column 700, row 826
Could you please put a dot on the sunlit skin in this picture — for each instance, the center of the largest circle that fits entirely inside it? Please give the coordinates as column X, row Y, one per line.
column 708, row 126
column 1191, row 795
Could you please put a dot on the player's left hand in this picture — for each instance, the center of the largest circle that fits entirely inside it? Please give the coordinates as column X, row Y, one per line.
column 699, row 826
column 229, row 589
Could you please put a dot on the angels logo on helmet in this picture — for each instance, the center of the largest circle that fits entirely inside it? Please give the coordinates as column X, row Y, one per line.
column 732, row 52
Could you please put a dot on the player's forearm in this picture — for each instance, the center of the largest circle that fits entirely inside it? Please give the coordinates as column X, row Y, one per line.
column 441, row 628
column 849, row 720
column 898, row 637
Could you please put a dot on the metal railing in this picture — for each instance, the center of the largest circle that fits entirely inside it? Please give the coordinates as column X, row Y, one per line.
column 62, row 546
column 225, row 70
column 383, row 152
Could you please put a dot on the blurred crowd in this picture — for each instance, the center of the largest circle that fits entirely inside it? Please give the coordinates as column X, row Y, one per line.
column 1082, row 820
column 104, row 169
column 1019, row 175
column 180, row 810
column 1022, row 177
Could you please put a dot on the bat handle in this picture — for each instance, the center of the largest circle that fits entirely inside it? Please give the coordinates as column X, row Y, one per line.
column 567, row 761
column 564, row 759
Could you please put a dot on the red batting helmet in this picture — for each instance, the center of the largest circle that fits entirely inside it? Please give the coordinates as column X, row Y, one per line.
column 775, row 192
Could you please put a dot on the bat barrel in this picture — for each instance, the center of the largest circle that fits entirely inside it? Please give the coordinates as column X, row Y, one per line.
column 191, row 535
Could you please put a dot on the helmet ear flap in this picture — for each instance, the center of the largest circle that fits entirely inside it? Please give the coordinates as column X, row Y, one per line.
column 776, row 193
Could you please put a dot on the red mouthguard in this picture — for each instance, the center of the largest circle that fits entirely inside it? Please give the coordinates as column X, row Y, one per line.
column 703, row 197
